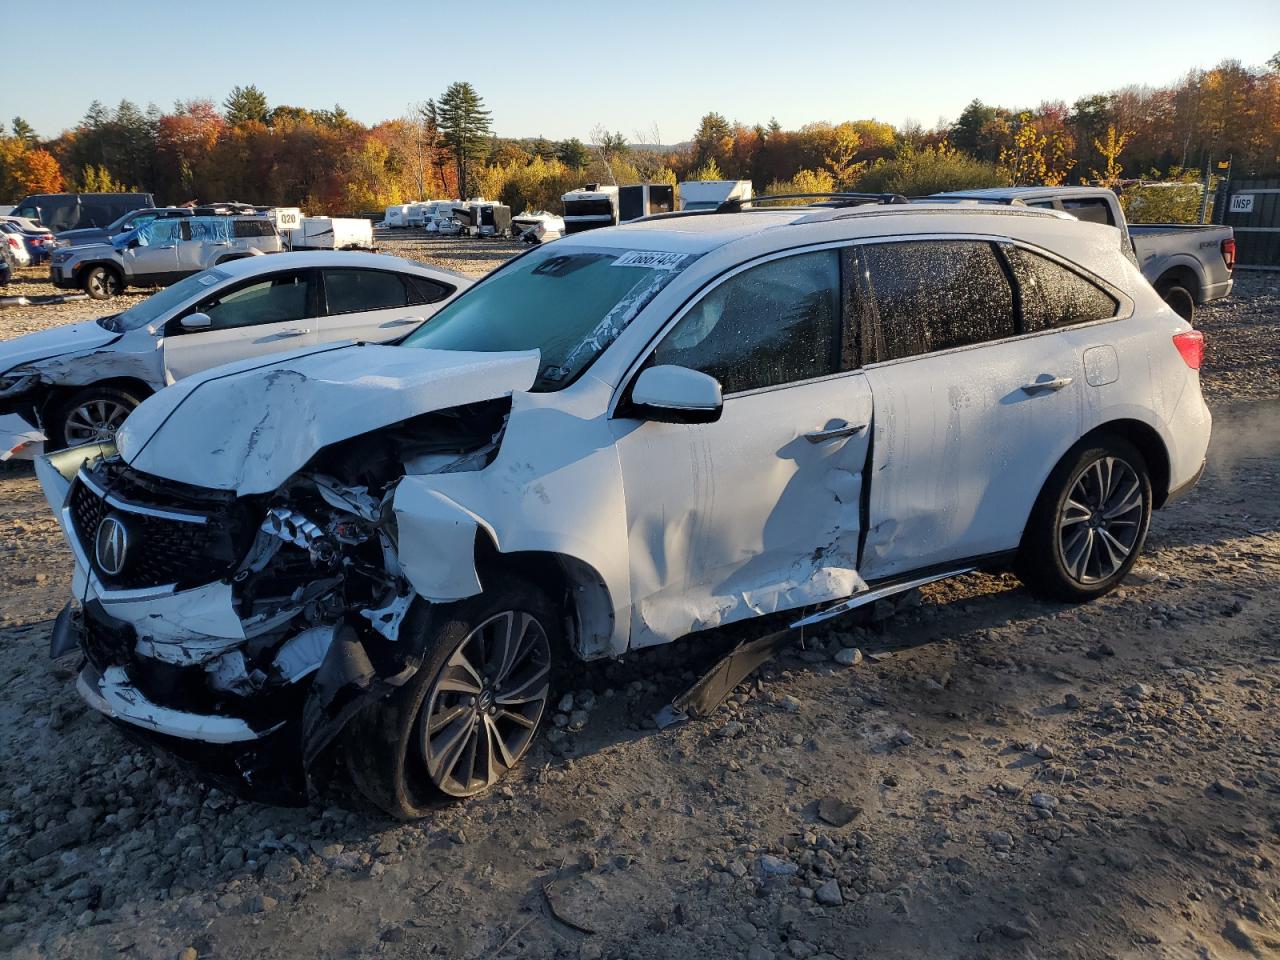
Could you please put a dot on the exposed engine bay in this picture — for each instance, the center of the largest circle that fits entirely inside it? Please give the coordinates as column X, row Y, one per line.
column 230, row 619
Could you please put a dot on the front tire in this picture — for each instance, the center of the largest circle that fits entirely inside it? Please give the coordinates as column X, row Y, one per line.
column 102, row 283
column 1089, row 524
column 469, row 714
column 92, row 415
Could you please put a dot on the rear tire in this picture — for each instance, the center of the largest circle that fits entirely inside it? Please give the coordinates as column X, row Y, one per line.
column 1089, row 523
column 469, row 714
column 102, row 283
column 1179, row 299
column 91, row 415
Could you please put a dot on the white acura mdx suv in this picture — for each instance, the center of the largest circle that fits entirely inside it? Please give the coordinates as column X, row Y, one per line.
column 381, row 555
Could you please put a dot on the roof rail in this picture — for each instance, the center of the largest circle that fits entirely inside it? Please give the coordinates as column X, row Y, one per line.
column 936, row 198
column 832, row 199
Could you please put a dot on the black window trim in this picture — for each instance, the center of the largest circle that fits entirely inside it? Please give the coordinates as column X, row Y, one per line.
column 399, row 275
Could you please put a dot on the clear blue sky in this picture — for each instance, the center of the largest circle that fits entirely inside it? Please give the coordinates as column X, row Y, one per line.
column 557, row 69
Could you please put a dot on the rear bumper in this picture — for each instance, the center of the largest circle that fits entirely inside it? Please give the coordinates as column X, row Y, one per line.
column 1180, row 491
column 1212, row 291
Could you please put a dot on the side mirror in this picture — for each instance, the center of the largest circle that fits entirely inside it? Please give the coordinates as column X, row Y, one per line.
column 670, row 394
column 196, row 321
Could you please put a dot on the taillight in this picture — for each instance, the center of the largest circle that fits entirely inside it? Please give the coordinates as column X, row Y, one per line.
column 1191, row 345
column 14, row 242
column 1229, row 252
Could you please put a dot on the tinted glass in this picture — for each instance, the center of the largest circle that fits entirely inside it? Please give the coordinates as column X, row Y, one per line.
column 279, row 298
column 158, row 304
column 934, row 295
column 1054, row 296
column 351, row 291
column 772, row 324
column 567, row 301
column 422, row 290
column 1093, row 210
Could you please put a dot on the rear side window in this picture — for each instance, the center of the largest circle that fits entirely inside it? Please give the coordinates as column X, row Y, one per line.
column 252, row 228
column 772, row 324
column 1090, row 209
column 353, row 291
column 1055, row 296
column 931, row 295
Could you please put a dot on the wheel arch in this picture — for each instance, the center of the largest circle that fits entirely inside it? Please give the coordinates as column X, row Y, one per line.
column 83, row 268
column 572, row 584
column 1183, row 275
column 57, row 394
column 1149, row 443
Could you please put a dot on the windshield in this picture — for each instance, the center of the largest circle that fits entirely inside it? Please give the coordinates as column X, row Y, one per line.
column 568, row 302
column 157, row 305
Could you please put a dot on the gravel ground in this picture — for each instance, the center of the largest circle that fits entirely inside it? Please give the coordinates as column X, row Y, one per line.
column 972, row 774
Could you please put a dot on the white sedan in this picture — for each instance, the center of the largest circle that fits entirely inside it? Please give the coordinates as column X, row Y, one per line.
column 78, row 383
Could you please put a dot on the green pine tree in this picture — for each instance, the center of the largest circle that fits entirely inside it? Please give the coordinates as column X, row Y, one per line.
column 464, row 123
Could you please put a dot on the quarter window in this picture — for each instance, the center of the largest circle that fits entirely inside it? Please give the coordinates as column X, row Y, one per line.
column 1090, row 209
column 930, row 295
column 279, row 298
column 1054, row 296
column 772, row 324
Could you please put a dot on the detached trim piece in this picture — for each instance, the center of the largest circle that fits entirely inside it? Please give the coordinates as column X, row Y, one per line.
column 878, row 593
column 111, row 694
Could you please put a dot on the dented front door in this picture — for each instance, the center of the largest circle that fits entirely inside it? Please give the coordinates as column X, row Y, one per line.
column 761, row 510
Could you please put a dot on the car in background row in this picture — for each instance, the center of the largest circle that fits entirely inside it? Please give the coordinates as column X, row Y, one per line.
column 79, row 382
column 123, row 224
column 67, row 211
column 161, row 252
column 1188, row 264
column 39, row 243
column 12, row 238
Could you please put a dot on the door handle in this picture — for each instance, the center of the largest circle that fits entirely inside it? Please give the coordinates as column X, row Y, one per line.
column 285, row 334
column 1052, row 386
column 840, row 428
column 169, row 247
column 403, row 323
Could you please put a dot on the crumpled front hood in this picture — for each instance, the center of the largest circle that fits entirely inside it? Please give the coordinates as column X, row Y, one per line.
column 249, row 426
column 54, row 342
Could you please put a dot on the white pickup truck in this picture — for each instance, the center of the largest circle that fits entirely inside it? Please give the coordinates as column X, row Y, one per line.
column 1188, row 264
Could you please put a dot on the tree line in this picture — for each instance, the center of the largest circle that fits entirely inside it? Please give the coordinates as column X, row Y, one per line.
column 325, row 161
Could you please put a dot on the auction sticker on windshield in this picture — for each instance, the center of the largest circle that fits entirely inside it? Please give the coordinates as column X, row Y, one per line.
column 650, row 259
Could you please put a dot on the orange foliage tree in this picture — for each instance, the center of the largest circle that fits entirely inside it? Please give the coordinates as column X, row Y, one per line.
column 38, row 172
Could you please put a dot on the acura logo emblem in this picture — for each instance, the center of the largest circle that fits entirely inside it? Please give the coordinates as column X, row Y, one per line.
column 111, row 545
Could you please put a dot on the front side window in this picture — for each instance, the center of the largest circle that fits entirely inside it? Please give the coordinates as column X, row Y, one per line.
column 354, row 291
column 567, row 301
column 1055, row 296
column 772, row 324
column 279, row 298
column 930, row 295
column 158, row 304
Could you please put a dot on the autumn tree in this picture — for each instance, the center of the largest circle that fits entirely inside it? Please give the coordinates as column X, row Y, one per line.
column 1110, row 150
column 244, row 104
column 465, row 124
column 38, row 172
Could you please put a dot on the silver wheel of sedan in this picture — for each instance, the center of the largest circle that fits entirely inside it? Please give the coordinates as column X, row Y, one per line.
column 1100, row 520
column 485, row 703
column 94, row 421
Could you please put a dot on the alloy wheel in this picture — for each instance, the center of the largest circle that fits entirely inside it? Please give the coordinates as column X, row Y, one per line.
column 103, row 284
column 1100, row 520
column 94, row 421
column 483, row 708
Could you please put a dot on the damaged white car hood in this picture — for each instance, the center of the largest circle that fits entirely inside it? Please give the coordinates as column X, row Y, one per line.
column 54, row 342
column 250, row 426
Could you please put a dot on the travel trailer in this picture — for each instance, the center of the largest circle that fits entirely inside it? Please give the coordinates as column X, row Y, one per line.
column 709, row 194
column 590, row 207
column 332, row 233
column 645, row 199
